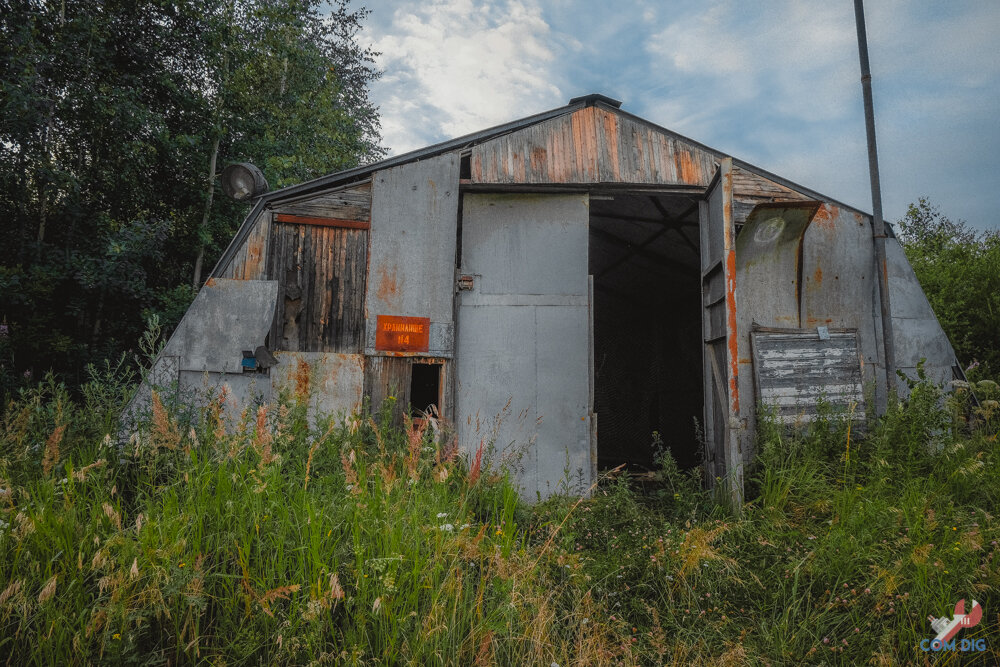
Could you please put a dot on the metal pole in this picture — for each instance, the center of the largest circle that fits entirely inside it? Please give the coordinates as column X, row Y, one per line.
column 878, row 224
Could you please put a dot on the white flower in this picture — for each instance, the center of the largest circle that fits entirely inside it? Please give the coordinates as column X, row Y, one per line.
column 447, row 527
column 442, row 515
column 464, row 526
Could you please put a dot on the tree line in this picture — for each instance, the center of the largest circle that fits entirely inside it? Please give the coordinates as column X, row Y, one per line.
column 959, row 269
column 116, row 116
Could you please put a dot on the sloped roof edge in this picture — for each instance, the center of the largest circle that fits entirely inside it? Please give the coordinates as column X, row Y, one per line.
column 464, row 141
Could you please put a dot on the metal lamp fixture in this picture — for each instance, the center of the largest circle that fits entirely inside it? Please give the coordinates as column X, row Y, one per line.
column 243, row 181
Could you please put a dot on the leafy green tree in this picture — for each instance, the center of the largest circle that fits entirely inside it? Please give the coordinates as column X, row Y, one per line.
column 959, row 269
column 115, row 117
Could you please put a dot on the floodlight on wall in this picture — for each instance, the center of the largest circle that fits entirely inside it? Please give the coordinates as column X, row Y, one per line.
column 243, row 181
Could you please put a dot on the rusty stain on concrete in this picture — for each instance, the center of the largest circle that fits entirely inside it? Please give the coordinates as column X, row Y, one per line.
column 301, row 378
column 387, row 289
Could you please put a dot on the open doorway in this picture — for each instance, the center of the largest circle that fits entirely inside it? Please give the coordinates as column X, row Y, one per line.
column 645, row 260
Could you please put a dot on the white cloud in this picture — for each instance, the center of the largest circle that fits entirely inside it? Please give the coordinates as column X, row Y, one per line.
column 774, row 83
column 457, row 66
column 787, row 53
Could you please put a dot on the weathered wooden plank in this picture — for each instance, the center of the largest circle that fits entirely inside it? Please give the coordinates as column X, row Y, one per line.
column 317, row 311
column 588, row 146
column 351, row 202
column 385, row 378
column 321, row 222
column 249, row 261
column 796, row 371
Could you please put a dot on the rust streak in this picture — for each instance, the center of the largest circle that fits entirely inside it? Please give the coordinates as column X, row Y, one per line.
column 732, row 333
column 538, row 157
column 387, row 289
column 732, row 339
column 688, row 172
column 826, row 216
column 301, row 378
column 818, row 275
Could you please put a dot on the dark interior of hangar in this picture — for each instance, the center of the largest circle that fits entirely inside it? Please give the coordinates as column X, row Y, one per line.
column 645, row 260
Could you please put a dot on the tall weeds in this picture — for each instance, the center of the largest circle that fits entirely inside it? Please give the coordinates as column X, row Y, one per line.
column 289, row 540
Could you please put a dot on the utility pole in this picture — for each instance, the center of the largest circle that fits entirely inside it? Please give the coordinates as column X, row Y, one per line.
column 878, row 224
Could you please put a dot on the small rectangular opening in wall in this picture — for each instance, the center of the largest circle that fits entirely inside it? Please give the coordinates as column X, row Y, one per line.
column 425, row 387
column 465, row 167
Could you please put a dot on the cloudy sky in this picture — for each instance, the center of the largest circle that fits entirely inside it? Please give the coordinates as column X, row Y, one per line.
column 774, row 83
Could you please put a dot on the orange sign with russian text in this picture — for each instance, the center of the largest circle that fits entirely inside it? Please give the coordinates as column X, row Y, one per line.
column 402, row 334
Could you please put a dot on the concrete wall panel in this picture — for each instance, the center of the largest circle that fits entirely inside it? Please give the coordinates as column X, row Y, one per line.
column 411, row 268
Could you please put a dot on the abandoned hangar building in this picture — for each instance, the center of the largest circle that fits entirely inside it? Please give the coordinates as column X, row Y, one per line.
column 585, row 274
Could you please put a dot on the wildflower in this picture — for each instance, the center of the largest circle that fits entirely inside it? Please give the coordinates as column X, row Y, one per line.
column 826, row 640
column 442, row 515
column 377, row 604
column 447, row 527
column 117, row 635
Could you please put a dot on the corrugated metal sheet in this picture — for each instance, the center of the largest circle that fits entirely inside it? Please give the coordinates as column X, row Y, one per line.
column 411, row 271
column 523, row 335
column 795, row 370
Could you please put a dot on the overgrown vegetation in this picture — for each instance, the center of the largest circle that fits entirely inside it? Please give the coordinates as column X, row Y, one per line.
column 279, row 541
column 959, row 270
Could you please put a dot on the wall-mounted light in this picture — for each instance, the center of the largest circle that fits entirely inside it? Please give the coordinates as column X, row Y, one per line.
column 243, row 181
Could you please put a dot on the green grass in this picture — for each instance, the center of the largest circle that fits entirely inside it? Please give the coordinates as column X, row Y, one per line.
column 353, row 542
